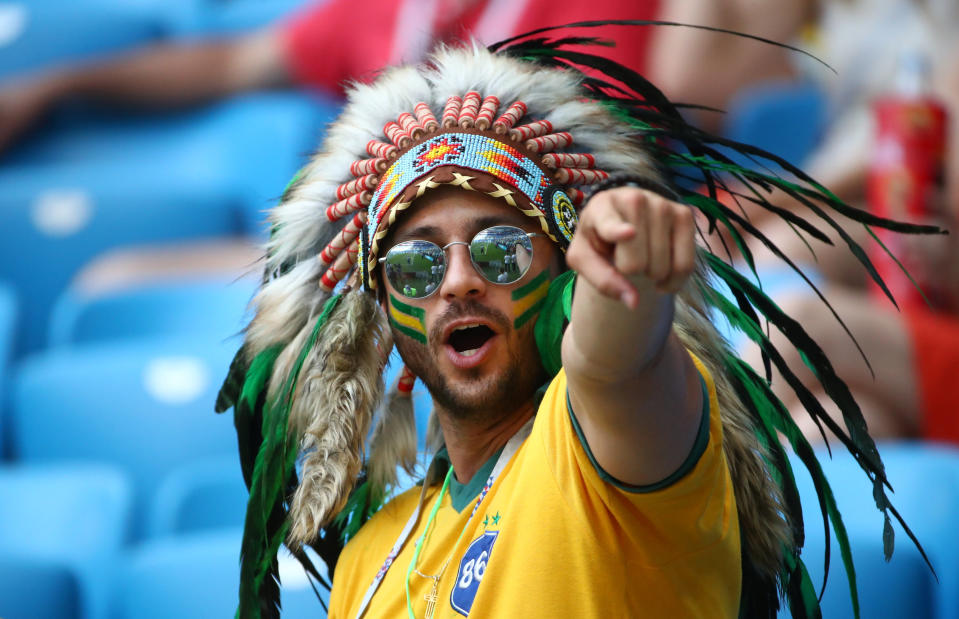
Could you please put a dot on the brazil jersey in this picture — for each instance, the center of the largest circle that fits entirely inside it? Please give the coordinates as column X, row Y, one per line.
column 555, row 536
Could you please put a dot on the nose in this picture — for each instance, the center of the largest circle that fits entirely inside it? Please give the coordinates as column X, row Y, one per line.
column 461, row 280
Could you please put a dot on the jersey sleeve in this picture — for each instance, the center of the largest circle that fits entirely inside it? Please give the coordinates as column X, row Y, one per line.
column 328, row 43
column 689, row 510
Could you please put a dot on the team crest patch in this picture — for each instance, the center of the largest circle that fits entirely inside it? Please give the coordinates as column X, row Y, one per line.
column 471, row 571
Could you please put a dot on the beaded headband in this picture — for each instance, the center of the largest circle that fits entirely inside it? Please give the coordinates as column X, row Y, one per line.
column 468, row 149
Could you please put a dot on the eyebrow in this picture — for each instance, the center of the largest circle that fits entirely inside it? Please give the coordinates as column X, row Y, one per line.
column 428, row 232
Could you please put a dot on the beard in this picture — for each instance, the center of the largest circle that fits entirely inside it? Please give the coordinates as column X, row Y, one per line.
column 488, row 394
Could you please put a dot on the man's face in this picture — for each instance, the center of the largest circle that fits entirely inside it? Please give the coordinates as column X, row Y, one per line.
column 471, row 341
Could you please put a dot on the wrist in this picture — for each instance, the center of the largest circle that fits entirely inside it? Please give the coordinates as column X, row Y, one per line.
column 634, row 180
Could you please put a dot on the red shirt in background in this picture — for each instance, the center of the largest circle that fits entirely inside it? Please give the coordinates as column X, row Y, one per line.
column 335, row 41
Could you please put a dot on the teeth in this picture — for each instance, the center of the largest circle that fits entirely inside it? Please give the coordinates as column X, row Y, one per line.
column 469, row 353
column 469, row 326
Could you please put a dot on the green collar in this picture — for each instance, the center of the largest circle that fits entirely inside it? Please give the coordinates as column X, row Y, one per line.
column 462, row 495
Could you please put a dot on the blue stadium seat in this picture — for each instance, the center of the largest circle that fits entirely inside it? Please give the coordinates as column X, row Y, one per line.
column 32, row 587
column 197, row 576
column 60, row 218
column 144, row 405
column 926, row 479
column 37, row 33
column 204, row 494
column 8, row 319
column 104, row 181
column 72, row 515
column 205, row 306
column 784, row 118
column 230, row 16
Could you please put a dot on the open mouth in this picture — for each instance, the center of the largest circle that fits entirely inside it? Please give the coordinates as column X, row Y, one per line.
column 468, row 339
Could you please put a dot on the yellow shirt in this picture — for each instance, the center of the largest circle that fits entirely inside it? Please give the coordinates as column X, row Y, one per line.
column 557, row 537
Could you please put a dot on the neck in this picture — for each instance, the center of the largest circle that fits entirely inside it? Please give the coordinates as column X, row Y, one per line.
column 470, row 445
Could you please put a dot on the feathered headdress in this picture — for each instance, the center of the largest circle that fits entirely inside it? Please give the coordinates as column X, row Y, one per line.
column 536, row 125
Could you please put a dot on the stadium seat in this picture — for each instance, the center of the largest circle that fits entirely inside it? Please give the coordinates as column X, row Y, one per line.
column 38, row 33
column 204, row 494
column 784, row 118
column 197, row 576
column 8, row 318
column 926, row 479
column 206, row 306
column 73, row 515
column 103, row 181
column 229, row 16
column 144, row 405
column 32, row 587
column 62, row 216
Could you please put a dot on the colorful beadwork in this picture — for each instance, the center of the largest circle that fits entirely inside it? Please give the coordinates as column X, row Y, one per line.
column 464, row 150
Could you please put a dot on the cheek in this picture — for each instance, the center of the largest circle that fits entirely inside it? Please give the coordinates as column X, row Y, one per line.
column 528, row 299
column 407, row 319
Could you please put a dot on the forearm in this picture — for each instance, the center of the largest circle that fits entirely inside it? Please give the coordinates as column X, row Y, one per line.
column 706, row 68
column 176, row 74
column 607, row 341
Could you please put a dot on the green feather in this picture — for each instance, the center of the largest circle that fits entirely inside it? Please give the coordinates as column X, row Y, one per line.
column 266, row 516
column 363, row 502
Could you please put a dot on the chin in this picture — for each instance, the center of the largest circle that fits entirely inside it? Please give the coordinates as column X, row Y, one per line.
column 483, row 393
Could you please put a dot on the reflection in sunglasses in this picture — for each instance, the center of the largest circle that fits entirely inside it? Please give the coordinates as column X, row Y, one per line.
column 501, row 254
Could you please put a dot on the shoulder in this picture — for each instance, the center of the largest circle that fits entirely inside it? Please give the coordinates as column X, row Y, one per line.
column 562, row 432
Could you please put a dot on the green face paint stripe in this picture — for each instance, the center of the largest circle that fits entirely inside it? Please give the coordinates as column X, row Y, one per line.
column 527, row 288
column 416, row 312
column 413, row 333
column 528, row 314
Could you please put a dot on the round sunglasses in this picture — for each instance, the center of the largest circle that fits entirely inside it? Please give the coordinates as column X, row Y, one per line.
column 501, row 254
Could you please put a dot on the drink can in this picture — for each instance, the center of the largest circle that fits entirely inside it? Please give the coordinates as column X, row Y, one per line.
column 905, row 181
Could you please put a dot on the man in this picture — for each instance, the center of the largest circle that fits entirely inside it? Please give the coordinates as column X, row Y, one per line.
column 616, row 466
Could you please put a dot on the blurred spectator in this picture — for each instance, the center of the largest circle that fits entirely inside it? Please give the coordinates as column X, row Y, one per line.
column 321, row 46
column 915, row 353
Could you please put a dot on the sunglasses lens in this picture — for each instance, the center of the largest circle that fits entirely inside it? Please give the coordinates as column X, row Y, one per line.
column 415, row 268
column 502, row 253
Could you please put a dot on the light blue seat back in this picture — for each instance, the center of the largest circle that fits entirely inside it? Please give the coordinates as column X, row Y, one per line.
column 204, row 494
column 197, row 576
column 33, row 587
column 40, row 33
column 926, row 480
column 8, row 320
column 144, row 405
column 99, row 182
column 74, row 515
column 208, row 306
column 209, row 17
column 59, row 217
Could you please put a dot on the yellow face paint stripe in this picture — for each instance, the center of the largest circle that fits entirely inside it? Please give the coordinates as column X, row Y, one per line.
column 407, row 319
column 529, row 299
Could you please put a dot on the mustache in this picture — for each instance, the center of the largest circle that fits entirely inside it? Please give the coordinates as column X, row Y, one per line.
column 468, row 308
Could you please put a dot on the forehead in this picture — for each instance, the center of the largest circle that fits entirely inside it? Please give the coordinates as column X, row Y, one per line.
column 451, row 210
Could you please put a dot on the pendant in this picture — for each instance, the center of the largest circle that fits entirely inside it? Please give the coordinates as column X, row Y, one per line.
column 431, row 597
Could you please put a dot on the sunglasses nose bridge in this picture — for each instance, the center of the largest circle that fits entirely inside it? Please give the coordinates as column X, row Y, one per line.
column 461, row 277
